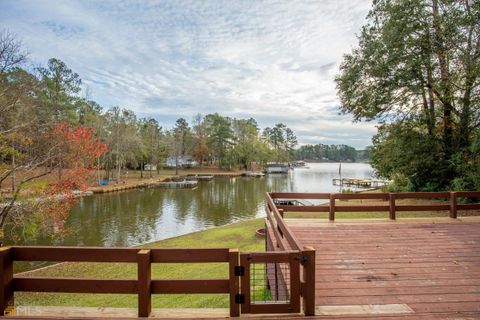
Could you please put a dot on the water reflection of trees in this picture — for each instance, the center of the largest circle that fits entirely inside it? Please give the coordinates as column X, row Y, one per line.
column 139, row 216
column 115, row 219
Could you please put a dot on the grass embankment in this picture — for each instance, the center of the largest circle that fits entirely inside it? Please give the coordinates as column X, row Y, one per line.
column 239, row 235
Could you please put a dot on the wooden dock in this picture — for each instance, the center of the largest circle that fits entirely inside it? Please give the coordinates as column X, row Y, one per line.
column 198, row 177
column 255, row 174
column 359, row 183
column 185, row 184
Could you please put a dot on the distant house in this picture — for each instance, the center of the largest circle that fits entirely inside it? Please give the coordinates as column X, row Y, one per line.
column 150, row 167
column 276, row 168
column 183, row 161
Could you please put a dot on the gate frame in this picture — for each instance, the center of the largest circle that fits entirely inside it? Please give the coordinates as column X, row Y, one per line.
column 293, row 258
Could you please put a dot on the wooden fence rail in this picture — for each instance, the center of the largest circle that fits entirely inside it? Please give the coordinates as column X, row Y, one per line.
column 143, row 286
column 391, row 206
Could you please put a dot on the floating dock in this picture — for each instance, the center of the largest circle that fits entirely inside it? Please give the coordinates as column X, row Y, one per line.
column 254, row 174
column 185, row 184
column 199, row 177
column 361, row 183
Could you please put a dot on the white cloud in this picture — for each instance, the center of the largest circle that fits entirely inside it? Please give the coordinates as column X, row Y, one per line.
column 272, row 60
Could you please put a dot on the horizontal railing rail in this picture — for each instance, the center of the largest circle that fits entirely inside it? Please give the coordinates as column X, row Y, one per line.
column 391, row 206
column 276, row 219
column 101, row 254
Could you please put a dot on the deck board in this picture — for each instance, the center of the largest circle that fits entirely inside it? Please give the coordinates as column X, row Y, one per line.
column 433, row 267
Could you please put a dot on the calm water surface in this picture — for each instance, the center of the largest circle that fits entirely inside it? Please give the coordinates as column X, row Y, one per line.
column 144, row 215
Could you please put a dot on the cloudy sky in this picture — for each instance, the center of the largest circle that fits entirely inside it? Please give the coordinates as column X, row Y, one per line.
column 271, row 60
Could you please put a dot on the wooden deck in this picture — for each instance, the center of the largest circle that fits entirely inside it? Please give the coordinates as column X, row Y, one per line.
column 416, row 269
column 365, row 269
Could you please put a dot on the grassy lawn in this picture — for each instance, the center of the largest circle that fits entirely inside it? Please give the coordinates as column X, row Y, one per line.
column 239, row 235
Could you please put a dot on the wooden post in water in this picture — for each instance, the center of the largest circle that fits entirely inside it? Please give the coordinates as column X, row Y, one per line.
column 233, row 261
column 144, row 283
column 6, row 278
column 331, row 212
column 453, row 205
column 391, row 203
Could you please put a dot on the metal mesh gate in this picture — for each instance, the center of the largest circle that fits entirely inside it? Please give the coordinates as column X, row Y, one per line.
column 271, row 282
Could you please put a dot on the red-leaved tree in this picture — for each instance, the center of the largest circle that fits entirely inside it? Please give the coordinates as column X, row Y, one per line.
column 79, row 149
column 41, row 203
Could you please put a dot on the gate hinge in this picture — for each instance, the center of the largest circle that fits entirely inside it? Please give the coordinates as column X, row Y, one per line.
column 239, row 298
column 239, row 271
column 9, row 311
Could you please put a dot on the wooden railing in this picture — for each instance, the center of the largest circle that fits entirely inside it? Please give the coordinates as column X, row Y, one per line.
column 279, row 237
column 390, row 198
column 144, row 286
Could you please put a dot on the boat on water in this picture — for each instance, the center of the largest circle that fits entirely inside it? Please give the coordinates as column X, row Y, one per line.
column 299, row 163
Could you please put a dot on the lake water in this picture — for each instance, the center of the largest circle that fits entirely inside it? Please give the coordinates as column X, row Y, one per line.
column 143, row 215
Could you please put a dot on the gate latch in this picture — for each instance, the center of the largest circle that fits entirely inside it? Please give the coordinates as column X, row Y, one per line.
column 239, row 271
column 303, row 259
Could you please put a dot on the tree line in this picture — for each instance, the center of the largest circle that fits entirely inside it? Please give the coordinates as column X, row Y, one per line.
column 416, row 71
column 324, row 152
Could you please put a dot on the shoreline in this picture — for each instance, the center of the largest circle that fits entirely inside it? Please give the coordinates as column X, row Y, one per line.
column 153, row 182
column 148, row 184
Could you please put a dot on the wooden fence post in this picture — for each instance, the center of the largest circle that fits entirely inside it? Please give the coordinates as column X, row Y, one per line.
column 453, row 205
column 391, row 203
column 6, row 278
column 233, row 261
column 331, row 212
column 281, row 212
column 144, row 283
column 309, row 281
column 245, row 281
